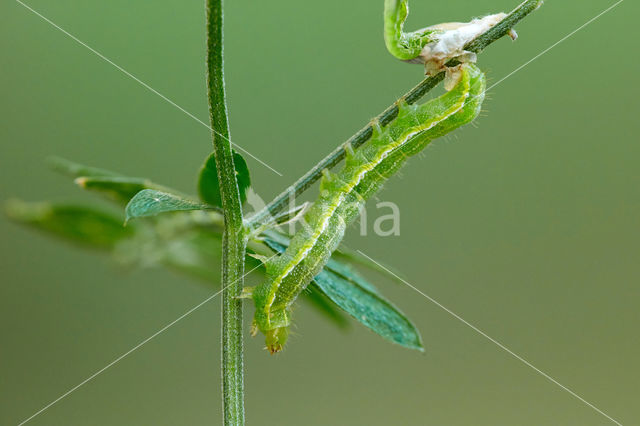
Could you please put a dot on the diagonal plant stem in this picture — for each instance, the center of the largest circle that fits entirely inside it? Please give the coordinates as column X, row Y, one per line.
column 234, row 236
column 336, row 156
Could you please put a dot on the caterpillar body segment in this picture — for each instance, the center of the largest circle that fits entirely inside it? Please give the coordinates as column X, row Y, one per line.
column 343, row 194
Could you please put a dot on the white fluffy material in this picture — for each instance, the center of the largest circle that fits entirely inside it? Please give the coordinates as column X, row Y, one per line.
column 450, row 43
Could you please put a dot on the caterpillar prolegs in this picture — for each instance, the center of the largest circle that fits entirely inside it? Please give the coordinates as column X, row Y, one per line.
column 343, row 194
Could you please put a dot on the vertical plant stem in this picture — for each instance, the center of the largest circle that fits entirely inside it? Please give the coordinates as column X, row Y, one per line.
column 234, row 238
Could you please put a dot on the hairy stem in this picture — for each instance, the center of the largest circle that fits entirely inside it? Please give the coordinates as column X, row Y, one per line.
column 336, row 156
column 234, row 238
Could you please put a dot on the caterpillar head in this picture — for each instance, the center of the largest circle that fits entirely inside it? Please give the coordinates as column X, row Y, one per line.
column 275, row 330
column 276, row 338
column 273, row 322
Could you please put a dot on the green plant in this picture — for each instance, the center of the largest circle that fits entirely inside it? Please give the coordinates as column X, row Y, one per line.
column 195, row 233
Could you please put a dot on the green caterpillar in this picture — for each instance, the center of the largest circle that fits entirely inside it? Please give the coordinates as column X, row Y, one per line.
column 343, row 194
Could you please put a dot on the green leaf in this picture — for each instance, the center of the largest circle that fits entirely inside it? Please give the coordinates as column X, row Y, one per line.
column 350, row 274
column 370, row 308
column 149, row 202
column 119, row 188
column 360, row 299
column 208, row 188
column 114, row 185
column 75, row 170
column 79, row 224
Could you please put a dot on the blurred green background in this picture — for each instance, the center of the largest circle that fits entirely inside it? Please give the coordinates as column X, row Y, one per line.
column 526, row 224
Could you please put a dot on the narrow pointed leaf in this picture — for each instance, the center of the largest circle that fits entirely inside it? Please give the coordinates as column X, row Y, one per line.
column 114, row 185
column 88, row 226
column 75, row 170
column 149, row 202
column 119, row 188
column 350, row 274
column 370, row 308
column 208, row 187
